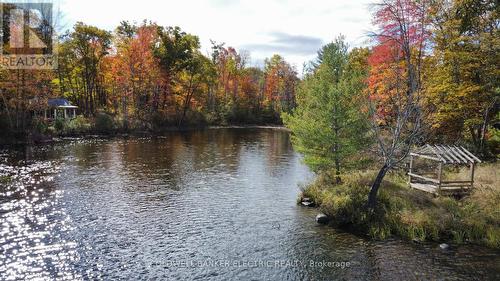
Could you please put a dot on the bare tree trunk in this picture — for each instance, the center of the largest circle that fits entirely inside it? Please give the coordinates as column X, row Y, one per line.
column 167, row 92
column 405, row 131
column 336, row 149
column 125, row 112
column 485, row 126
column 187, row 101
column 338, row 180
column 184, row 110
column 372, row 196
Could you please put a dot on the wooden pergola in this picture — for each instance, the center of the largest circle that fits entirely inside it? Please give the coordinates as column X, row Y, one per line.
column 443, row 155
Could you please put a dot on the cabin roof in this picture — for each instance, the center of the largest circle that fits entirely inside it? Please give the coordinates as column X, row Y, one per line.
column 446, row 154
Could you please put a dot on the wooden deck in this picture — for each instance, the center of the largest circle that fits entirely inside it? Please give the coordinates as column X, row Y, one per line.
column 442, row 190
column 424, row 187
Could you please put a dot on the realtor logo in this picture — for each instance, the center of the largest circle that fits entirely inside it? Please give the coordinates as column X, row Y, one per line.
column 26, row 36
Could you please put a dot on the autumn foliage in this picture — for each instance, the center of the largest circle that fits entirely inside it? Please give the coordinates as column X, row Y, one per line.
column 441, row 57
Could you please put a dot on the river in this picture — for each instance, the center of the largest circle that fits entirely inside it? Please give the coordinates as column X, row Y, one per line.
column 216, row 204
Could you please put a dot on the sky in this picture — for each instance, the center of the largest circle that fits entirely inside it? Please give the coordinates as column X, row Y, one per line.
column 295, row 29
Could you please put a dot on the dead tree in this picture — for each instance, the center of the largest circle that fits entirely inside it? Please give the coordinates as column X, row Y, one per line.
column 403, row 25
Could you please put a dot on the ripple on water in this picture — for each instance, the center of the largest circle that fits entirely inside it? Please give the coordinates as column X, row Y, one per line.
column 139, row 208
column 32, row 220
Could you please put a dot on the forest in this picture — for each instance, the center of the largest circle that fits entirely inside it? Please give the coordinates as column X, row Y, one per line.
column 148, row 77
column 141, row 76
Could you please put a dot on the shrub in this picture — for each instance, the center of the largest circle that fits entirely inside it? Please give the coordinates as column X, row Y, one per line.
column 195, row 118
column 78, row 125
column 161, row 120
column 104, row 123
column 59, row 125
column 212, row 118
column 51, row 130
column 39, row 125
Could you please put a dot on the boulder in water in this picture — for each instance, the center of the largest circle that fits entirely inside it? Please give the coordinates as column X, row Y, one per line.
column 307, row 204
column 444, row 246
column 306, row 201
column 322, row 218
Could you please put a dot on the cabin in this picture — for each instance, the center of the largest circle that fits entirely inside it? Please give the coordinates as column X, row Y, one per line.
column 57, row 108
column 432, row 159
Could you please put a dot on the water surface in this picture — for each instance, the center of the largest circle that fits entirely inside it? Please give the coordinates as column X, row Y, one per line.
column 203, row 205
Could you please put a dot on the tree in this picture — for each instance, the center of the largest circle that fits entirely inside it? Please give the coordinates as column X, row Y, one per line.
column 462, row 91
column 237, row 93
column 195, row 80
column 23, row 91
column 81, row 55
column 399, row 54
column 251, row 89
column 175, row 50
column 280, row 82
column 135, row 73
column 329, row 124
column 230, row 66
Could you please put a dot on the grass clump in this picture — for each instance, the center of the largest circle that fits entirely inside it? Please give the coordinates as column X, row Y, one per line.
column 409, row 213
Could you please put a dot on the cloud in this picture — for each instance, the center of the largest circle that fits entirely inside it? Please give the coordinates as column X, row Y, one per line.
column 284, row 43
column 296, row 29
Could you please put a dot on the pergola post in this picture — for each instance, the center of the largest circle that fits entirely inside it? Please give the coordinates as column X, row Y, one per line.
column 472, row 166
column 411, row 166
column 440, row 175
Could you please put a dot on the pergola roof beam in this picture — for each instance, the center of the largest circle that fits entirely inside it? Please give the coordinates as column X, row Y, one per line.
column 444, row 154
column 455, row 154
column 426, row 156
column 436, row 153
column 471, row 155
column 469, row 159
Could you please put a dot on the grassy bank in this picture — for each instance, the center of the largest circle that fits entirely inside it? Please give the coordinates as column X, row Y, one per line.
column 412, row 214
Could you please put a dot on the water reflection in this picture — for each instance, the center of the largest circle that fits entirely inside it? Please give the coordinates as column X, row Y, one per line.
column 33, row 223
column 153, row 208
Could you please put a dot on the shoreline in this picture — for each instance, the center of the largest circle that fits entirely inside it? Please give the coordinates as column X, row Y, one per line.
column 408, row 214
column 364, row 235
column 23, row 139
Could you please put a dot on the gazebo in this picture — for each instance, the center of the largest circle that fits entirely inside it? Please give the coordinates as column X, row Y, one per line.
column 442, row 155
column 52, row 109
column 60, row 108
